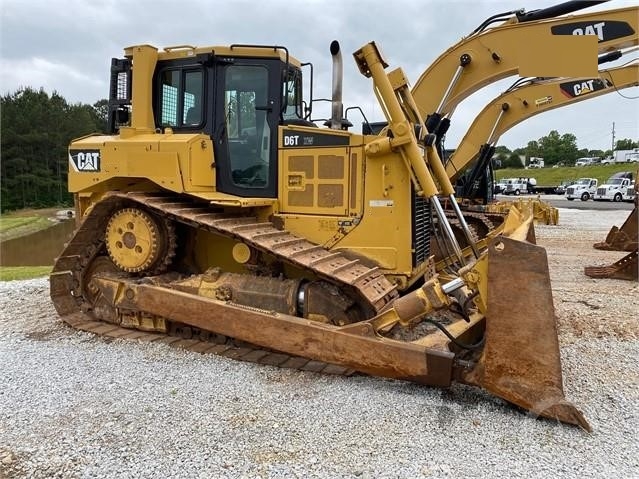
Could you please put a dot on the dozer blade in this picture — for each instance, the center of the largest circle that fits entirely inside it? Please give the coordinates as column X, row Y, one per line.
column 622, row 239
column 626, row 268
column 521, row 362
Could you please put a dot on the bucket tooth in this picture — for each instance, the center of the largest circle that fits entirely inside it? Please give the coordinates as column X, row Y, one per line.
column 521, row 361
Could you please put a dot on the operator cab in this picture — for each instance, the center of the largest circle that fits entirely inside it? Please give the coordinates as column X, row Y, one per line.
column 238, row 96
column 239, row 102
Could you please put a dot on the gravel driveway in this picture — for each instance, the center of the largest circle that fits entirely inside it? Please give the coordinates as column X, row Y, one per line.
column 74, row 405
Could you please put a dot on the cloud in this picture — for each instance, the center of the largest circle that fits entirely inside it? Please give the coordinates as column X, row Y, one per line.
column 67, row 47
column 77, row 86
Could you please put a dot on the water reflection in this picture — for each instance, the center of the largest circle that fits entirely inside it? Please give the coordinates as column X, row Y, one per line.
column 37, row 249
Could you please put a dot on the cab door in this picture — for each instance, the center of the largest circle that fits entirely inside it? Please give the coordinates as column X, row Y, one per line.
column 247, row 114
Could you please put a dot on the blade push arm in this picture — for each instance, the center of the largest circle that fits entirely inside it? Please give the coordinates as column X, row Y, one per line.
column 515, row 106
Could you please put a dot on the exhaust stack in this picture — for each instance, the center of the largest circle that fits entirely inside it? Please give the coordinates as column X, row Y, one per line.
column 336, row 101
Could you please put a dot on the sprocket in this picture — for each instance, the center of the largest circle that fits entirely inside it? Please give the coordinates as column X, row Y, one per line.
column 138, row 241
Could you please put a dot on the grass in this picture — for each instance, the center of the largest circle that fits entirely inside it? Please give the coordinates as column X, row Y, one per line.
column 21, row 223
column 554, row 176
column 15, row 226
column 12, row 273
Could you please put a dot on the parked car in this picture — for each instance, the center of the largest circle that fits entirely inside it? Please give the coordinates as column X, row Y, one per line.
column 586, row 161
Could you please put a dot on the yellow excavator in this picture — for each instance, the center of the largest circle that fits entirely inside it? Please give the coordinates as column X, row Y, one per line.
column 470, row 164
column 218, row 217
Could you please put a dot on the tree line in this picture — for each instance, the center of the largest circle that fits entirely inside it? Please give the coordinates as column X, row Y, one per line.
column 555, row 149
column 37, row 129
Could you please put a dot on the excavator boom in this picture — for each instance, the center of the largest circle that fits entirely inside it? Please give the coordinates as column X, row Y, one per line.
column 498, row 52
column 530, row 99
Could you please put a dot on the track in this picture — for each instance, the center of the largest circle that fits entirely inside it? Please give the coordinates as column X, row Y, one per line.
column 71, row 294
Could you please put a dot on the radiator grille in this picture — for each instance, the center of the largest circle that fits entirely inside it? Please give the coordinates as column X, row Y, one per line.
column 421, row 229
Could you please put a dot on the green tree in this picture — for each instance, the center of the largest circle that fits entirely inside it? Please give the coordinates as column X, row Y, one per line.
column 513, row 161
column 36, row 131
column 101, row 109
column 555, row 148
column 502, row 150
column 499, row 161
column 626, row 144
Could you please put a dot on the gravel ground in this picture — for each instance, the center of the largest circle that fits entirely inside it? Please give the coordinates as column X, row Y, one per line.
column 74, row 405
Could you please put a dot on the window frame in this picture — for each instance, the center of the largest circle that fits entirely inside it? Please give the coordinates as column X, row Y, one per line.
column 180, row 112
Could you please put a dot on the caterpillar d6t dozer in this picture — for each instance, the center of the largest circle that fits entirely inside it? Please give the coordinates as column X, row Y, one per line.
column 218, row 216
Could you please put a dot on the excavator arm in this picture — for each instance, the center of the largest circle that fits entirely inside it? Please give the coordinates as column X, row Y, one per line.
column 562, row 46
column 530, row 99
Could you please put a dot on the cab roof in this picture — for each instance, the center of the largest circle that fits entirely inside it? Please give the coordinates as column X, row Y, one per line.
column 185, row 51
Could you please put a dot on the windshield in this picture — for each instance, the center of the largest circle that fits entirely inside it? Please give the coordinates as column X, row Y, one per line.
column 583, row 182
column 615, row 181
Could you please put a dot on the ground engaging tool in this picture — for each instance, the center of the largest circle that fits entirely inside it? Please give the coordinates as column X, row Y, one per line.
column 217, row 212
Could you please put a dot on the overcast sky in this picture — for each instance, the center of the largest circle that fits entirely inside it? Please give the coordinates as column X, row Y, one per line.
column 67, row 46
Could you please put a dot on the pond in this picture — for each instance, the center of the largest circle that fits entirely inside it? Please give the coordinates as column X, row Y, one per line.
column 39, row 248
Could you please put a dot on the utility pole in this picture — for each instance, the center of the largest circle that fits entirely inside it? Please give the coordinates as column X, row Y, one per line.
column 613, row 136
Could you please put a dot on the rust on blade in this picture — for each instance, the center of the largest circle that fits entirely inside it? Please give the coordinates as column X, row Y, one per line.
column 626, row 268
column 521, row 362
column 624, row 238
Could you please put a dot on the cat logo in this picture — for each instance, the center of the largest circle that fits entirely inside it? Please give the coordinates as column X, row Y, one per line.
column 591, row 29
column 574, row 89
column 605, row 31
column 85, row 160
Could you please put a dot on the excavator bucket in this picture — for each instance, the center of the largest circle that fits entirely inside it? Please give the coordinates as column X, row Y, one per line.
column 624, row 238
column 521, row 361
column 626, row 268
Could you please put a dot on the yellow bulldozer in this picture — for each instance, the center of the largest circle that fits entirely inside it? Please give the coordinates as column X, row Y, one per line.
column 218, row 215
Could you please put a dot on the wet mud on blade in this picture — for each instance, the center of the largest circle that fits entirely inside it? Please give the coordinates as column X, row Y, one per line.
column 521, row 361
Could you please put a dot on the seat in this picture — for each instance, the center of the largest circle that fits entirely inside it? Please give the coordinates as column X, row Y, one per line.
column 193, row 116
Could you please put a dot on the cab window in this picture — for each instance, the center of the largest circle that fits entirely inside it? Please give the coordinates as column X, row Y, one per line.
column 181, row 98
column 292, row 96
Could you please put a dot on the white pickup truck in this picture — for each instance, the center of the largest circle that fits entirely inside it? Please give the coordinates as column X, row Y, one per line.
column 615, row 188
column 583, row 188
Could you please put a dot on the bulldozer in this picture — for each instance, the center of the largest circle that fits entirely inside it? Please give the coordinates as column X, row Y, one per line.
column 217, row 216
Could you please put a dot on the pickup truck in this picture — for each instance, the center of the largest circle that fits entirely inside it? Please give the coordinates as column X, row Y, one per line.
column 517, row 186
